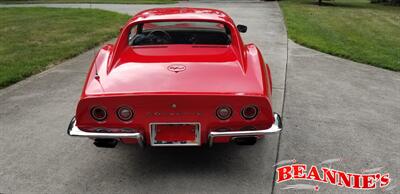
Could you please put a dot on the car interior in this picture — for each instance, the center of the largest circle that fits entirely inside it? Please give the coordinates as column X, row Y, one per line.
column 160, row 33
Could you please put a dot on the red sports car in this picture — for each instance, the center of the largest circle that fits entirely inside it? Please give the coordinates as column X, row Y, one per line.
column 177, row 77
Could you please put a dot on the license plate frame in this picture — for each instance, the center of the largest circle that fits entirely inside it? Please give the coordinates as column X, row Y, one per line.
column 195, row 142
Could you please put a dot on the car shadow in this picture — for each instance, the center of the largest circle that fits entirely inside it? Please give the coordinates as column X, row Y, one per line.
column 221, row 168
column 176, row 159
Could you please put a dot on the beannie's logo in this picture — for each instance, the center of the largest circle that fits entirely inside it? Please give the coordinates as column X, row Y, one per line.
column 330, row 176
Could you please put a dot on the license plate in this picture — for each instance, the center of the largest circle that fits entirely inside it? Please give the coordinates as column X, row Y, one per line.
column 175, row 134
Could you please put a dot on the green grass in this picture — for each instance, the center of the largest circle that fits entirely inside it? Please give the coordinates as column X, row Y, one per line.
column 88, row 1
column 33, row 39
column 353, row 29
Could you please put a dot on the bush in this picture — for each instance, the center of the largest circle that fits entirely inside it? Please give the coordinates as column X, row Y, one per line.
column 392, row 2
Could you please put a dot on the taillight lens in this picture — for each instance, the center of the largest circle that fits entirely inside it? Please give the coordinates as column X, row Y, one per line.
column 125, row 113
column 249, row 112
column 224, row 112
column 98, row 113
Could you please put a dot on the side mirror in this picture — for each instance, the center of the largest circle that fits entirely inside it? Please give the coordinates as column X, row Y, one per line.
column 242, row 28
column 120, row 29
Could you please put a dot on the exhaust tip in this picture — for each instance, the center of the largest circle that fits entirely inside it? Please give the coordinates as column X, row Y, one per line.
column 245, row 140
column 105, row 143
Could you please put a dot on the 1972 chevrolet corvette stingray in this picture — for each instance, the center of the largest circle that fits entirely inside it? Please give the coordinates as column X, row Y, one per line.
column 177, row 77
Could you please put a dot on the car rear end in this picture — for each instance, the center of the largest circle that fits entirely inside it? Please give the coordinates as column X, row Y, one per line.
column 174, row 120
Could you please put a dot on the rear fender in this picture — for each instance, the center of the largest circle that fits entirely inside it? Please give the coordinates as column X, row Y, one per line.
column 256, row 64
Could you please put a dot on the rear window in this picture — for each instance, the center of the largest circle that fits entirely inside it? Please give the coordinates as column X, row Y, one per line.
column 182, row 32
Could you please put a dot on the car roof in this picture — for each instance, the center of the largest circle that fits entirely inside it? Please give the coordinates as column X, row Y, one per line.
column 182, row 13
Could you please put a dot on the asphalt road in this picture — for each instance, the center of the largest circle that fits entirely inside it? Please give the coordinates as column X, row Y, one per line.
column 333, row 109
column 38, row 156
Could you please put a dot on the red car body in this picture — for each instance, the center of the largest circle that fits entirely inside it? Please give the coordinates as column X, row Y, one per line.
column 176, row 92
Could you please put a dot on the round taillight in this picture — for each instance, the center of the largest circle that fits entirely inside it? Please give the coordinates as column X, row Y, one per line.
column 224, row 112
column 98, row 113
column 249, row 112
column 125, row 113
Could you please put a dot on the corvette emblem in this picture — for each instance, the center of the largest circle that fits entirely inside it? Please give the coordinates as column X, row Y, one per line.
column 176, row 68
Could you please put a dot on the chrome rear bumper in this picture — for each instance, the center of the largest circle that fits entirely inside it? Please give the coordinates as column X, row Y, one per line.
column 73, row 130
column 276, row 127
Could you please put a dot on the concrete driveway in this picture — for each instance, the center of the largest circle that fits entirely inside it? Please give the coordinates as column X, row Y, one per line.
column 38, row 156
column 339, row 109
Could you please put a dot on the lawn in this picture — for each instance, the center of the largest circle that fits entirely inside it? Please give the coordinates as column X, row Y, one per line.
column 33, row 39
column 89, row 1
column 353, row 29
